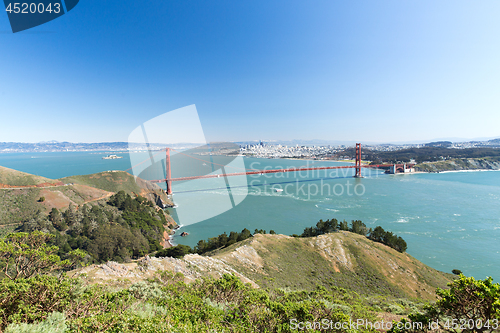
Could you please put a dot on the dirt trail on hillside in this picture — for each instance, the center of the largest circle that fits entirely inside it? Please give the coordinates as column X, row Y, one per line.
column 6, row 225
column 107, row 195
column 20, row 187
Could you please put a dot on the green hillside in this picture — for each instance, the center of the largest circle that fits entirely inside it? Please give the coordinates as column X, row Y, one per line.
column 112, row 181
column 28, row 202
column 18, row 178
column 115, row 181
column 18, row 205
column 336, row 260
column 341, row 259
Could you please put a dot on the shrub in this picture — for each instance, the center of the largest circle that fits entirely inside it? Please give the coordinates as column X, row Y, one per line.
column 466, row 301
column 33, row 299
column 145, row 290
column 55, row 323
column 27, row 254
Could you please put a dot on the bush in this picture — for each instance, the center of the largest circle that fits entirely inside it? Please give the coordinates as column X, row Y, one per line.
column 33, row 299
column 144, row 290
column 467, row 299
column 24, row 255
column 55, row 323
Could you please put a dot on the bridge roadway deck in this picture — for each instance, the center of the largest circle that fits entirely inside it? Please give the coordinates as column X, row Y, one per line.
column 261, row 172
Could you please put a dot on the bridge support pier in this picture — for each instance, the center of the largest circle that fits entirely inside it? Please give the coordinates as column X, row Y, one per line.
column 168, row 174
column 358, row 161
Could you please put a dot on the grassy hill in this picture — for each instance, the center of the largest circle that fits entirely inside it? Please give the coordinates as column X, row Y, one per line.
column 22, row 204
column 349, row 274
column 18, row 205
column 340, row 259
column 18, row 178
column 114, row 181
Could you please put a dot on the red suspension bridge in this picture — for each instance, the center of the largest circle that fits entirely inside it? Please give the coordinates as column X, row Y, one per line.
column 357, row 166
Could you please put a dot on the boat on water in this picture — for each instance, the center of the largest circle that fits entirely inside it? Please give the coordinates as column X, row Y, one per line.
column 279, row 190
column 111, row 157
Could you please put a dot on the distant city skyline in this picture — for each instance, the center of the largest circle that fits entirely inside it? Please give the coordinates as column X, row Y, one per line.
column 357, row 71
column 283, row 142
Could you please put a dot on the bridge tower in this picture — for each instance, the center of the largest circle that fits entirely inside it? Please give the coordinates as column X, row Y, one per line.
column 168, row 174
column 358, row 161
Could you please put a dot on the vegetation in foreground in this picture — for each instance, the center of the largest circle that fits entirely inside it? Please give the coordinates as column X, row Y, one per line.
column 469, row 305
column 36, row 297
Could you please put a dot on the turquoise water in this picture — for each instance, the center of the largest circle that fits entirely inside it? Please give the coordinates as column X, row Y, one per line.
column 449, row 220
column 63, row 164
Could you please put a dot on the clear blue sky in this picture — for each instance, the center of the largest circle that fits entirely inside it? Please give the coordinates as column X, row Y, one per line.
column 334, row 70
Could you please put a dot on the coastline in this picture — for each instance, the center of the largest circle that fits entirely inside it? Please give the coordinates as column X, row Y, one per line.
column 465, row 170
column 445, row 171
column 365, row 163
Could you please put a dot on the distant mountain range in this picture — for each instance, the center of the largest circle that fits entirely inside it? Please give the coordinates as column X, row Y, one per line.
column 55, row 146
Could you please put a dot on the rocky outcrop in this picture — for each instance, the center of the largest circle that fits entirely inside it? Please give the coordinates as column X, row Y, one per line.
column 192, row 266
column 458, row 165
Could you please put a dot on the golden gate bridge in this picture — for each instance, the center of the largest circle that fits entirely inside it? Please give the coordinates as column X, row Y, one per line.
column 357, row 166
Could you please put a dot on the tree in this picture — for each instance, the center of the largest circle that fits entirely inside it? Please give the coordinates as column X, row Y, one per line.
column 308, row 232
column 70, row 215
column 359, row 227
column 377, row 234
column 400, row 245
column 343, row 226
column 233, row 238
column 222, row 240
column 24, row 255
column 177, row 251
column 245, row 233
column 54, row 215
column 56, row 218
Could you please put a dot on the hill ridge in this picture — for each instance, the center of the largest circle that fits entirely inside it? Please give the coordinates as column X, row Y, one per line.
column 279, row 261
column 11, row 177
column 344, row 259
column 24, row 196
